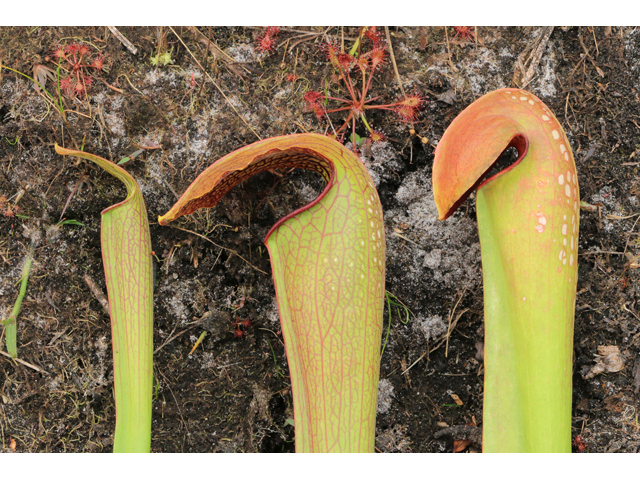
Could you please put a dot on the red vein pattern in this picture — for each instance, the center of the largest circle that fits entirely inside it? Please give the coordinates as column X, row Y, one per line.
column 126, row 254
column 528, row 219
column 328, row 262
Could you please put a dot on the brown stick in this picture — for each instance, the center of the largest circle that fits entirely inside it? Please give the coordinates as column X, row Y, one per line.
column 123, row 40
column 26, row 364
column 97, row 293
column 393, row 60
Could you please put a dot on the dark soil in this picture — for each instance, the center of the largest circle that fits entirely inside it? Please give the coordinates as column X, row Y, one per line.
column 233, row 394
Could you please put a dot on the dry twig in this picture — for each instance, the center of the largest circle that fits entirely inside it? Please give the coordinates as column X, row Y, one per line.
column 97, row 293
column 218, row 53
column 172, row 338
column 123, row 40
column 452, row 327
column 26, row 364
column 393, row 60
column 531, row 56
column 446, row 36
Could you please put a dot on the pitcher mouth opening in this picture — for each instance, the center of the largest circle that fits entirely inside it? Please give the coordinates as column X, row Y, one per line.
column 521, row 144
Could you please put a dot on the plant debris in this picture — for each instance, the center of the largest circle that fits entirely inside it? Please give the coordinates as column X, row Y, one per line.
column 608, row 360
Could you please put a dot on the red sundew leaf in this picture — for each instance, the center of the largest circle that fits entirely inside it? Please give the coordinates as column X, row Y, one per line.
column 80, row 88
column 376, row 37
column 328, row 261
column 528, row 219
column 312, row 97
column 330, row 48
column 363, row 64
column 98, row 63
column 406, row 113
column 377, row 136
column 345, row 61
column 266, row 44
column 378, row 56
column 60, row 53
column 83, row 49
column 126, row 253
column 267, row 41
column 465, row 33
column 414, row 101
